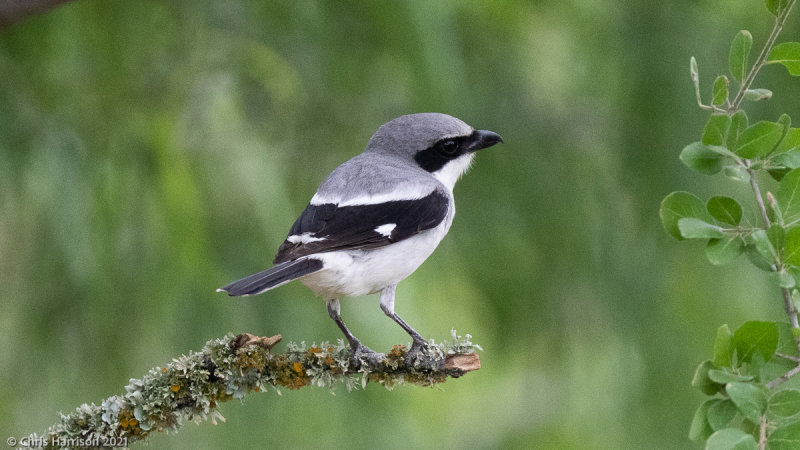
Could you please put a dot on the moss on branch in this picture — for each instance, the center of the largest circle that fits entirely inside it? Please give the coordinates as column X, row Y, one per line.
column 191, row 387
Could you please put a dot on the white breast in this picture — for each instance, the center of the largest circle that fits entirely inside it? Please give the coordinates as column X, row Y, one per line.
column 362, row 272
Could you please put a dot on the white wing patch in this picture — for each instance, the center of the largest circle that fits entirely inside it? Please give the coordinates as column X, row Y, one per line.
column 386, row 229
column 304, row 238
column 402, row 192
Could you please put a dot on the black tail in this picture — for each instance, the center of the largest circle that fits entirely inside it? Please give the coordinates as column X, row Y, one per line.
column 272, row 277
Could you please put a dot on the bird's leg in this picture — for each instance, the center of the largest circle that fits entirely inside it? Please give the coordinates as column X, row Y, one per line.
column 387, row 305
column 334, row 312
column 358, row 348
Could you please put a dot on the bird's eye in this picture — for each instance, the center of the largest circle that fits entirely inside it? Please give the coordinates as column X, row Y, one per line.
column 449, row 146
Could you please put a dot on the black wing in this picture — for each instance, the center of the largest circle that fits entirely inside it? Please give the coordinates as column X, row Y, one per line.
column 329, row 227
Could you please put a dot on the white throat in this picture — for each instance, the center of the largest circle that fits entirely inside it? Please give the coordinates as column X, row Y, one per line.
column 450, row 172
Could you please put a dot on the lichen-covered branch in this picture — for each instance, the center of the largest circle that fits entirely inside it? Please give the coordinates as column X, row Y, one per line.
column 192, row 386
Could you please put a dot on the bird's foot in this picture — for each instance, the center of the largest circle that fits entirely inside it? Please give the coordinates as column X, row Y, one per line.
column 363, row 355
column 416, row 351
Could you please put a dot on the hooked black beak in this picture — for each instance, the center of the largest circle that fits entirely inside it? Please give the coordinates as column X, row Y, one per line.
column 483, row 139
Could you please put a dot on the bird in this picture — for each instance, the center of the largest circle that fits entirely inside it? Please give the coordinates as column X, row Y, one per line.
column 376, row 218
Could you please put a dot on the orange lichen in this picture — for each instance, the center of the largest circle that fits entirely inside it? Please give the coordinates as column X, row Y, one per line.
column 288, row 374
column 128, row 424
column 397, row 351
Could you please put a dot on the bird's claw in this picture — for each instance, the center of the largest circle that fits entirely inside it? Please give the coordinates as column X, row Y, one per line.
column 363, row 354
column 413, row 352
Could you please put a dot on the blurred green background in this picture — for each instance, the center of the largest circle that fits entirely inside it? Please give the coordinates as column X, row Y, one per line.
column 153, row 151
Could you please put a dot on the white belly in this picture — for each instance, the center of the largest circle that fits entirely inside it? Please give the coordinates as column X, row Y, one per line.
column 361, row 272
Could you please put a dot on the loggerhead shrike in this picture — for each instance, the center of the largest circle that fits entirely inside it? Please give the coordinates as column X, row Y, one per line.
column 376, row 217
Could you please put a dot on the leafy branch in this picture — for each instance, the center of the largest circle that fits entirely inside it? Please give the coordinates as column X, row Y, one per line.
column 192, row 386
column 752, row 377
column 737, row 61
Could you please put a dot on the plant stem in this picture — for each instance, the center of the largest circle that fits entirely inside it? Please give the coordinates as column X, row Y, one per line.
column 791, row 311
column 789, row 357
column 784, row 377
column 762, row 433
column 780, row 20
column 788, row 305
column 757, row 191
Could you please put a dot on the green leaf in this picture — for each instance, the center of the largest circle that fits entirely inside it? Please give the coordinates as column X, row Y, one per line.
column 749, row 399
column 786, row 157
column 737, row 173
column 764, row 246
column 778, row 366
column 702, row 158
column 790, row 142
column 740, row 50
column 755, row 95
column 755, row 337
column 785, row 438
column 702, row 382
column 791, row 246
column 776, row 7
column 757, row 259
column 692, row 228
column 786, row 342
column 738, row 124
column 758, row 139
column 719, row 93
column 725, row 209
column 723, row 347
column 700, row 428
column 724, row 377
column 789, row 196
column 678, row 205
column 785, row 403
column 716, row 129
column 789, row 159
column 795, row 272
column 731, row 439
column 776, row 231
column 788, row 54
column 782, row 279
column 785, row 122
column 724, row 250
column 776, row 235
column 720, row 414
column 778, row 174
column 757, row 363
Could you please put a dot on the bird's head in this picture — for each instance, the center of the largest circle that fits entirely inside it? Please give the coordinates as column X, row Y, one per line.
column 440, row 144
